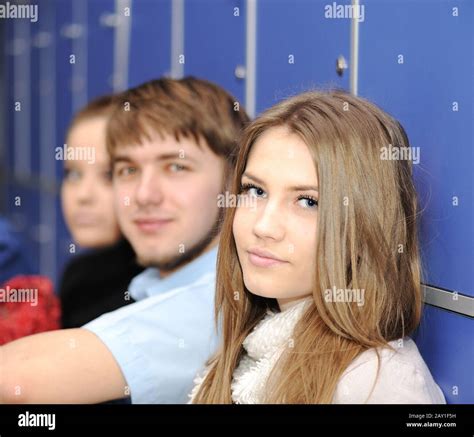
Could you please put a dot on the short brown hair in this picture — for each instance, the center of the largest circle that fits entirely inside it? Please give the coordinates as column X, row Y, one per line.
column 187, row 107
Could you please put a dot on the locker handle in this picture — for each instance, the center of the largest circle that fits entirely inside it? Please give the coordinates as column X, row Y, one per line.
column 341, row 65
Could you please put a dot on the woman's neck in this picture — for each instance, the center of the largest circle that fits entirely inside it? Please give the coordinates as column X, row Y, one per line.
column 287, row 303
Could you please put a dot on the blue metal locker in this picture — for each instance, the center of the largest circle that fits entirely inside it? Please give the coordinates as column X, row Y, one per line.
column 297, row 49
column 214, row 43
column 150, row 36
column 418, row 77
column 99, row 45
column 66, row 33
column 416, row 63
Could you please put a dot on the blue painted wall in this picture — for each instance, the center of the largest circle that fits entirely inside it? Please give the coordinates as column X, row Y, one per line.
column 415, row 61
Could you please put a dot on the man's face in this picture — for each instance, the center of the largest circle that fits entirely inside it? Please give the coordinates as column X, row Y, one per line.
column 165, row 195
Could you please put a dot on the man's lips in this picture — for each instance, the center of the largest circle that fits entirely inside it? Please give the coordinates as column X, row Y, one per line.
column 264, row 258
column 151, row 225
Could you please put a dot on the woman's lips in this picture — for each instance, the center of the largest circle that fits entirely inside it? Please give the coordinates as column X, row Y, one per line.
column 85, row 220
column 152, row 225
column 259, row 260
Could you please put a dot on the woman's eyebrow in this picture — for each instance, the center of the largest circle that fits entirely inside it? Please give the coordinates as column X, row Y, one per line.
column 255, row 178
column 304, row 188
column 293, row 188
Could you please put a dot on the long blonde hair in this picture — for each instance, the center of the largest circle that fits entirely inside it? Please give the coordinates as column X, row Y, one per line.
column 367, row 240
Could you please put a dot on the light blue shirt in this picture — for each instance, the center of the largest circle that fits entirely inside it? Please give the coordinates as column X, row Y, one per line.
column 162, row 341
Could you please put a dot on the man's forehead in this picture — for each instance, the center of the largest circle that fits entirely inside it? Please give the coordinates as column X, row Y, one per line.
column 162, row 148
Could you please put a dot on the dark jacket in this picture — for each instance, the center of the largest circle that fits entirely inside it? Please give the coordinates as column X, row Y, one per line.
column 96, row 283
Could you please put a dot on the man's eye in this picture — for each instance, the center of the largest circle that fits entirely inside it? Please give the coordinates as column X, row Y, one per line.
column 126, row 171
column 175, row 168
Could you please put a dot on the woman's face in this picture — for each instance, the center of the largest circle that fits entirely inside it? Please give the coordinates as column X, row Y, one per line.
column 86, row 192
column 276, row 236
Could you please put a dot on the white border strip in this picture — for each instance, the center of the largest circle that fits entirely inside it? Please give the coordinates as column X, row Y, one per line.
column 177, row 38
column 354, row 76
column 251, row 58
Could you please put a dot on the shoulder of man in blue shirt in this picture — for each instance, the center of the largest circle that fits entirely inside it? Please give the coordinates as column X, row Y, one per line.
column 162, row 341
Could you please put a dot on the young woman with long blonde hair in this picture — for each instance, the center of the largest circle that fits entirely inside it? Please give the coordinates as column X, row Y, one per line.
column 318, row 273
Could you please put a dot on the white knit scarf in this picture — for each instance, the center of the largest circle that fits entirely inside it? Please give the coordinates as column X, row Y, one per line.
column 263, row 346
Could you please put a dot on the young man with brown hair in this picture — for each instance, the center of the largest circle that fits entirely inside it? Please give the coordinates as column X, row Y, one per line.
column 172, row 144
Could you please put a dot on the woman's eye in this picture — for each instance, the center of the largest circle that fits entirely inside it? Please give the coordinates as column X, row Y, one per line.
column 257, row 192
column 308, row 202
column 72, row 175
column 252, row 190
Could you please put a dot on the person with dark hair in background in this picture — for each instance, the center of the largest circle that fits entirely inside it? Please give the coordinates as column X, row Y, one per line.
column 94, row 282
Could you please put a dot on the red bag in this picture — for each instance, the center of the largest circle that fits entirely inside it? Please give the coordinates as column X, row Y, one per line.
column 28, row 306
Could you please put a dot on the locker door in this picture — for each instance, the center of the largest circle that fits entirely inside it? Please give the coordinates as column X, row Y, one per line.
column 214, row 43
column 150, row 40
column 43, row 138
column 99, row 45
column 446, row 334
column 67, row 33
column 416, row 62
column 297, row 49
column 22, row 198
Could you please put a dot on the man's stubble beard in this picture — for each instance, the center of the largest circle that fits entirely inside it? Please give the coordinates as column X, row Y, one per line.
column 179, row 260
